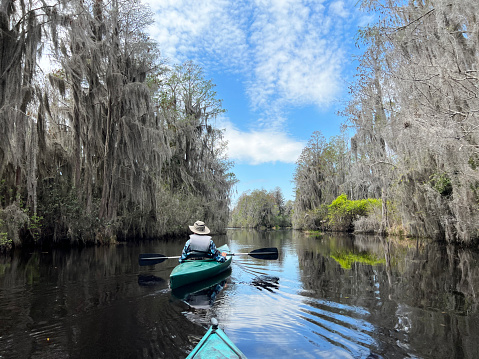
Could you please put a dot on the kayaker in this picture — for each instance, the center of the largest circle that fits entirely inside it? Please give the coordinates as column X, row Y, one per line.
column 200, row 245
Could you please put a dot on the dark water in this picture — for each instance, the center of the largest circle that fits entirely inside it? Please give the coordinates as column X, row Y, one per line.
column 332, row 297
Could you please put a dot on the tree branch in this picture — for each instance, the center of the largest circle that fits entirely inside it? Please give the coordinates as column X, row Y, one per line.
column 412, row 22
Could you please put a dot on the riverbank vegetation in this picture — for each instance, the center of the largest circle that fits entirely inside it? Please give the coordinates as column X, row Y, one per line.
column 413, row 115
column 261, row 209
column 109, row 142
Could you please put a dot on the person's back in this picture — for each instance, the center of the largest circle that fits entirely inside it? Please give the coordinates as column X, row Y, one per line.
column 200, row 245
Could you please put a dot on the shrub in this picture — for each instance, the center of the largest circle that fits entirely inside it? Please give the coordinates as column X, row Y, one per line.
column 5, row 242
column 13, row 221
column 343, row 212
column 441, row 183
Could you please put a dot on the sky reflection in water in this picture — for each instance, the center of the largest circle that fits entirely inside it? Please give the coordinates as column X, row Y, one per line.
column 282, row 321
column 332, row 296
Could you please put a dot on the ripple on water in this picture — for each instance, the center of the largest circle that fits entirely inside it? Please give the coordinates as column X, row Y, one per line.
column 296, row 323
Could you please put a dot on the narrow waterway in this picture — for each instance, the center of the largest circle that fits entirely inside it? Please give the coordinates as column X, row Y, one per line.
column 332, row 296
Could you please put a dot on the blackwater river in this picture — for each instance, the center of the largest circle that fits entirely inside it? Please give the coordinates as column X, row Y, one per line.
column 326, row 297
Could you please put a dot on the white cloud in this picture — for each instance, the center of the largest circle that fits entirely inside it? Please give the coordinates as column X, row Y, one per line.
column 289, row 53
column 338, row 8
column 292, row 56
column 286, row 48
column 260, row 146
column 185, row 29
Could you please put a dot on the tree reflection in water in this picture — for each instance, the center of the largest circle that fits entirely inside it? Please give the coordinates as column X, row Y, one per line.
column 333, row 296
column 421, row 296
column 266, row 282
column 202, row 295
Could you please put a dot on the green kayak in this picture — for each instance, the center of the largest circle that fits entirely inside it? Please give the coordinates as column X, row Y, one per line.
column 191, row 271
column 215, row 345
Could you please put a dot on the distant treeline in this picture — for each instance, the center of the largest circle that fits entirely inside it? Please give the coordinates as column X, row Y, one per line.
column 262, row 209
column 414, row 114
column 112, row 143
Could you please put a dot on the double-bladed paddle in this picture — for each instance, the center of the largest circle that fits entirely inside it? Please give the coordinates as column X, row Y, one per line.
column 149, row 259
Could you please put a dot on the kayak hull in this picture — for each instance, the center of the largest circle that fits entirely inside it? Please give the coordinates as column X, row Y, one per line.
column 192, row 271
column 215, row 345
column 199, row 287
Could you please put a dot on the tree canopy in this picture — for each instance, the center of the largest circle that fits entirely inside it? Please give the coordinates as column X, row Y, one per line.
column 261, row 209
column 413, row 112
column 113, row 143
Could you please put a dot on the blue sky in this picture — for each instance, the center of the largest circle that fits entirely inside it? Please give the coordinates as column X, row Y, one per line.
column 281, row 67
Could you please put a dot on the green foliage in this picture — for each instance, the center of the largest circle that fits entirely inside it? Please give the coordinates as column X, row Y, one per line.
column 62, row 215
column 13, row 222
column 5, row 242
column 177, row 210
column 342, row 212
column 474, row 161
column 35, row 226
column 346, row 259
column 441, row 183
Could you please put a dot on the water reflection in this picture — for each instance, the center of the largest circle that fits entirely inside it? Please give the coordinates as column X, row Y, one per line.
column 88, row 304
column 362, row 296
column 266, row 282
column 202, row 295
column 150, row 280
column 416, row 294
column 331, row 296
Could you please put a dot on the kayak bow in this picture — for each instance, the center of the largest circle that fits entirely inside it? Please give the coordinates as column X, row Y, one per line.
column 215, row 345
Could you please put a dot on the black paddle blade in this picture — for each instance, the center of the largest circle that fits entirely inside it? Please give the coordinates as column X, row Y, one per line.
column 265, row 253
column 149, row 259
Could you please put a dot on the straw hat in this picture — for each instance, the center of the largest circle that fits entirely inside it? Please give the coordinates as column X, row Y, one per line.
column 199, row 228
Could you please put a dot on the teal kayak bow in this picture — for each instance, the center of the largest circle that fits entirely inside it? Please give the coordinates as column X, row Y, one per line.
column 215, row 344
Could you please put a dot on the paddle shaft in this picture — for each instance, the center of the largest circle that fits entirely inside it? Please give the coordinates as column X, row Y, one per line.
column 159, row 256
column 248, row 254
column 262, row 253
